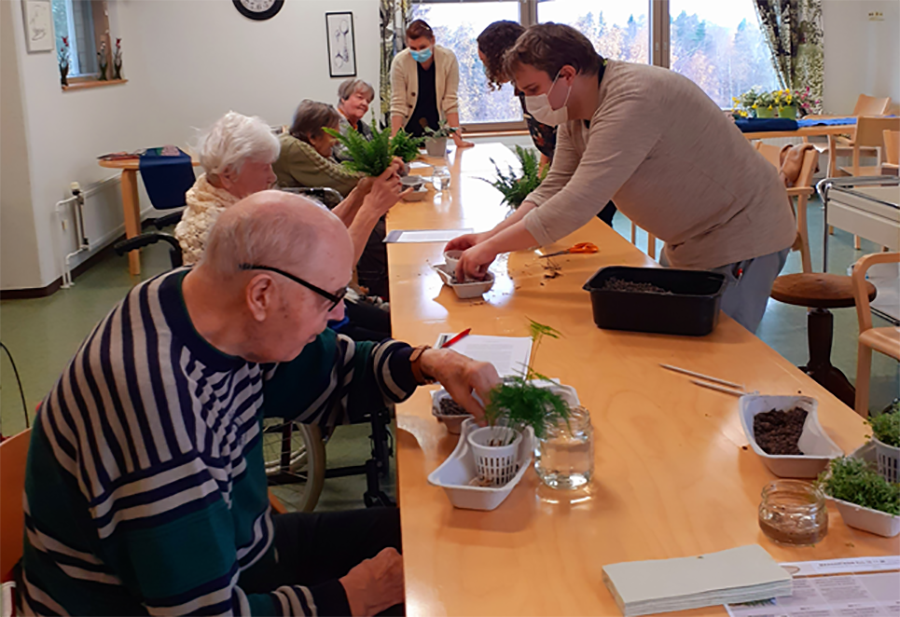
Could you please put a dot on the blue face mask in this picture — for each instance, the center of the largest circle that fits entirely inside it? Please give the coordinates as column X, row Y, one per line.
column 421, row 56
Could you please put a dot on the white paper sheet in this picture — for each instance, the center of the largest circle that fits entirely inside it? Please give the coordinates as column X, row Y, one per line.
column 875, row 594
column 850, row 565
column 509, row 355
column 424, row 235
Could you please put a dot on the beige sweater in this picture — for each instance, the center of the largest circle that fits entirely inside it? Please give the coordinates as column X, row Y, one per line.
column 205, row 203
column 674, row 164
column 405, row 83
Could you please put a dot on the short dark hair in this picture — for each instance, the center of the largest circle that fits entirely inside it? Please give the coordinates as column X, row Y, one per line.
column 419, row 28
column 311, row 117
column 494, row 42
column 549, row 47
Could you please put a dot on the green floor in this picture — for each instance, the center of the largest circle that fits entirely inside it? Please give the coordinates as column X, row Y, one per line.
column 42, row 334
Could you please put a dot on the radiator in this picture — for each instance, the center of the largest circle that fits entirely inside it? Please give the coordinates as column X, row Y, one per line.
column 73, row 208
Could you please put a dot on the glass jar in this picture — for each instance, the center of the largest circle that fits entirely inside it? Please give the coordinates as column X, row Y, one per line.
column 441, row 179
column 564, row 458
column 792, row 512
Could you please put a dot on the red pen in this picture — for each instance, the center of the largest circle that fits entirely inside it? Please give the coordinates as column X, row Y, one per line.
column 457, row 338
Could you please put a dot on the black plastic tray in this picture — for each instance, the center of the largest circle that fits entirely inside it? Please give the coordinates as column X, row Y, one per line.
column 692, row 308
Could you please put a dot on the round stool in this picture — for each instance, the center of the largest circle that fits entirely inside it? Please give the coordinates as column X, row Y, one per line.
column 819, row 293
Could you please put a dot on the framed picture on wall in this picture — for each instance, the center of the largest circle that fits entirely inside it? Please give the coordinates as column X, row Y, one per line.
column 341, row 44
column 38, row 25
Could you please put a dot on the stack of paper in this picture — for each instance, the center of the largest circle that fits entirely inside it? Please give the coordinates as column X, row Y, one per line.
column 509, row 354
column 743, row 574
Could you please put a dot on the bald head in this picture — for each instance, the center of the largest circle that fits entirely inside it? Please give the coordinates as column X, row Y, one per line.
column 276, row 229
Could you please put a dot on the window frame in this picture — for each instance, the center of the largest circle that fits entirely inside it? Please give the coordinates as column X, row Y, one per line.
column 658, row 14
column 100, row 28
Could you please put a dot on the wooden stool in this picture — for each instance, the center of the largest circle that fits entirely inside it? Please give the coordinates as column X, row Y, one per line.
column 819, row 293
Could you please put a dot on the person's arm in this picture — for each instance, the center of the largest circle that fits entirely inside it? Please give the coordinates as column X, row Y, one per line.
column 337, row 381
column 350, row 205
column 398, row 96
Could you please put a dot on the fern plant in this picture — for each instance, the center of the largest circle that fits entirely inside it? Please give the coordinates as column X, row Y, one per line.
column 372, row 157
column 519, row 403
column 516, row 187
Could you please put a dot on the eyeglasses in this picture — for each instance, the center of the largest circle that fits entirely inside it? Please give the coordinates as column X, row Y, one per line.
column 334, row 298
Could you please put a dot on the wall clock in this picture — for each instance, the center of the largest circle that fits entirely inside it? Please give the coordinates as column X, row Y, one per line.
column 258, row 9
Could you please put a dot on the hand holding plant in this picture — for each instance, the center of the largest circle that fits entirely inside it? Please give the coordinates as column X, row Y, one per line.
column 373, row 157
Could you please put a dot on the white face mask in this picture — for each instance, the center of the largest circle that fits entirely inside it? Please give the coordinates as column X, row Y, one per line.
column 539, row 107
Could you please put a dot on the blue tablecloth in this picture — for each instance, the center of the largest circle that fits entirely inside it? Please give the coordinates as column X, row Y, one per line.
column 759, row 125
column 825, row 121
column 166, row 178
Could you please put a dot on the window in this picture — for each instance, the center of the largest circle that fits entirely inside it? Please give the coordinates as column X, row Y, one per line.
column 716, row 43
column 457, row 26
column 720, row 47
column 84, row 23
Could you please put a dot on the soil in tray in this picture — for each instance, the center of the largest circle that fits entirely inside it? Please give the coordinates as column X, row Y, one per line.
column 778, row 432
column 614, row 284
column 449, row 407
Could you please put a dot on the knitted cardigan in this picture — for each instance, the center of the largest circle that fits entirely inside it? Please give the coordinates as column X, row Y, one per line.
column 205, row 203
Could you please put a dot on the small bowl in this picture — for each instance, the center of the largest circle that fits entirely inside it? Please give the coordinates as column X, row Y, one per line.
column 451, row 258
column 464, row 291
column 419, row 194
column 411, row 181
column 453, row 422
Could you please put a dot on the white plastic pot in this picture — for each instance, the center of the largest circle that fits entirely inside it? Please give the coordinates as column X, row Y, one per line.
column 496, row 465
column 867, row 519
column 888, row 459
column 436, row 146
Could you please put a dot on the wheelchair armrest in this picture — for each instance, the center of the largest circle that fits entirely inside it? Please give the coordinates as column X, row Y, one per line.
column 169, row 219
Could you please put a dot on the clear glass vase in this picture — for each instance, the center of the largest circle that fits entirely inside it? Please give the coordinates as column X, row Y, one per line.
column 793, row 512
column 564, row 458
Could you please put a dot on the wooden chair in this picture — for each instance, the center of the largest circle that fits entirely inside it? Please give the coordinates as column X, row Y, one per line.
column 843, row 146
column 886, row 340
column 13, row 456
column 891, row 159
column 818, row 292
column 869, row 134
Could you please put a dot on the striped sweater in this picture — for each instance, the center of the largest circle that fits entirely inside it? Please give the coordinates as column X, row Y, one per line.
column 146, row 491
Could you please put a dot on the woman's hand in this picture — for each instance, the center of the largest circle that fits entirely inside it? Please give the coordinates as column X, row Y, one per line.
column 460, row 142
column 464, row 242
column 475, row 262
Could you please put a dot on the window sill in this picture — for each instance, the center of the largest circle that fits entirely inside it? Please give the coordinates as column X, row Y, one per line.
column 84, row 85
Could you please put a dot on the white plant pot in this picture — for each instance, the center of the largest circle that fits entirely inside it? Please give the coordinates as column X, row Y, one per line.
column 495, row 464
column 436, row 146
column 888, row 459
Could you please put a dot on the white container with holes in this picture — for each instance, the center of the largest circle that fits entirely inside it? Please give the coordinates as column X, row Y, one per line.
column 455, row 474
column 867, row 519
column 817, row 447
column 495, row 450
column 888, row 459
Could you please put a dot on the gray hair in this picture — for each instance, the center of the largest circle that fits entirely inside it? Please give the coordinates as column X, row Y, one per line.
column 350, row 87
column 267, row 233
column 234, row 139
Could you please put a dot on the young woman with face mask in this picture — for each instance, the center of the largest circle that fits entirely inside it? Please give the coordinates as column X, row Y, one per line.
column 424, row 85
column 656, row 143
column 493, row 43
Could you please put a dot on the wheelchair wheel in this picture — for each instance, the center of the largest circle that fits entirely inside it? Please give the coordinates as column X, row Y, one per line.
column 294, row 455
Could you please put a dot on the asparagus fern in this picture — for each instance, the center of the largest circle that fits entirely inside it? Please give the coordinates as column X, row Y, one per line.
column 516, row 187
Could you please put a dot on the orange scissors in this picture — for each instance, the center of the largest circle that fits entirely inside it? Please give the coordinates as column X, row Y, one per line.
column 581, row 247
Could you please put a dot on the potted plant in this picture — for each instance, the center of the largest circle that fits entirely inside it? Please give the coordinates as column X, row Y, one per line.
column 765, row 105
column 886, row 437
column 784, row 101
column 117, row 60
column 62, row 56
column 372, row 157
column 804, row 101
column 745, row 102
column 516, row 187
column 864, row 498
column 514, row 405
column 436, row 140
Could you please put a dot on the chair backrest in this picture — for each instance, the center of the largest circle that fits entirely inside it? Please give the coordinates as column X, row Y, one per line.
column 860, row 293
column 870, row 131
column 871, row 106
column 891, row 147
column 801, row 189
column 13, row 456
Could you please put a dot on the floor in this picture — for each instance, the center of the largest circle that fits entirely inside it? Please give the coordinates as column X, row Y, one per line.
column 42, row 334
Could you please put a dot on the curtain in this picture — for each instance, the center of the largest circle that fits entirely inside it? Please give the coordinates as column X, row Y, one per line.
column 395, row 17
column 793, row 31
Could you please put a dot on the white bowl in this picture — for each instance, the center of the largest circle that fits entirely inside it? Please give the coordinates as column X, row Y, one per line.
column 412, row 181
column 451, row 258
column 818, row 447
column 453, row 422
column 419, row 194
column 472, row 289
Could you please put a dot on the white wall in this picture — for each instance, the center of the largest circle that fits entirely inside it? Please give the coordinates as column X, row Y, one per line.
column 187, row 63
column 861, row 56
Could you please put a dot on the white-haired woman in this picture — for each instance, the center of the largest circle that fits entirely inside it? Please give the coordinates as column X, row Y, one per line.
column 354, row 98
column 236, row 153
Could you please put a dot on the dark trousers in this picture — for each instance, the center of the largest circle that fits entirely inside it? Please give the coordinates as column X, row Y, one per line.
column 367, row 322
column 607, row 213
column 316, row 549
column 371, row 269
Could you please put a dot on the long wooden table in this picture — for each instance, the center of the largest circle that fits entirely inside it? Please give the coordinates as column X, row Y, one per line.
column 830, row 131
column 674, row 475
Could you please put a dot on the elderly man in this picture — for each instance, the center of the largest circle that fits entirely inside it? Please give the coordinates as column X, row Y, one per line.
column 146, row 491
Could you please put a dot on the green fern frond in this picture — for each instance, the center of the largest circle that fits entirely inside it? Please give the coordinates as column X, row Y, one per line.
column 516, row 187
column 406, row 146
